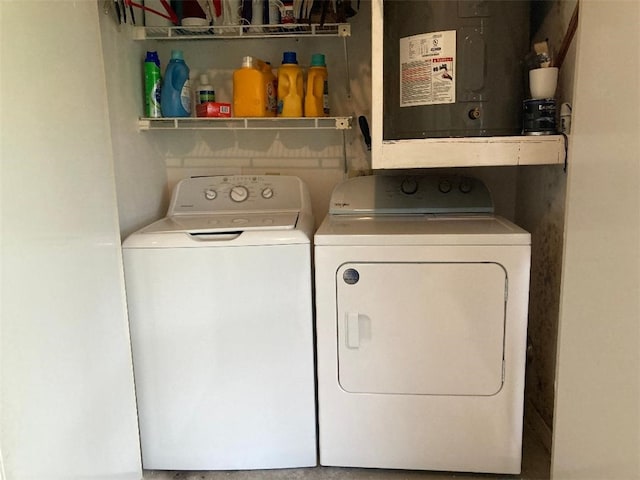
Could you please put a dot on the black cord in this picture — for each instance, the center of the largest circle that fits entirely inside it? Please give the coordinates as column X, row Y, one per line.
column 566, row 151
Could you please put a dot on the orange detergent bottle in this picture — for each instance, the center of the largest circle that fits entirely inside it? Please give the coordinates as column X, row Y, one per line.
column 316, row 100
column 249, row 91
column 272, row 89
column 290, row 86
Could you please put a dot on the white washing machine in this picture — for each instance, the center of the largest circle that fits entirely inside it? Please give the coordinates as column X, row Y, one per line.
column 421, row 318
column 220, row 311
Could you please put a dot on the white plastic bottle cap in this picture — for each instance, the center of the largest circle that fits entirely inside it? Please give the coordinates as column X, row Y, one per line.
column 204, row 79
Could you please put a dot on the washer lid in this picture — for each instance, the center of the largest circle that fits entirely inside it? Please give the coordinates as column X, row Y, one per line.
column 223, row 223
column 224, row 230
column 427, row 229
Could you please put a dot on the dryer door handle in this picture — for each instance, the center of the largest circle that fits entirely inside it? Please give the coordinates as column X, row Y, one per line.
column 353, row 330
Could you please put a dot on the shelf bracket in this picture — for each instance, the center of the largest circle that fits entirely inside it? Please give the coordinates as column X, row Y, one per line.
column 344, row 30
column 139, row 33
column 343, row 123
column 143, row 124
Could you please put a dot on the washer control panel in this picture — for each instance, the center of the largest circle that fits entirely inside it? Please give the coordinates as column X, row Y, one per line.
column 410, row 194
column 234, row 193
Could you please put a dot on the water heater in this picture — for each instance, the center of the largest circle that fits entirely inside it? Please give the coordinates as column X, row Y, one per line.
column 454, row 68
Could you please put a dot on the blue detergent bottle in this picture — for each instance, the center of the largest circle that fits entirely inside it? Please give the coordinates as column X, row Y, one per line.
column 175, row 96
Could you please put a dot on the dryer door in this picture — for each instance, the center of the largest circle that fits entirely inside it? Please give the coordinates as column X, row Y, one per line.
column 421, row 328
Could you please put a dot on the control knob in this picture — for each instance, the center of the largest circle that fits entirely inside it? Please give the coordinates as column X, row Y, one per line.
column 210, row 194
column 267, row 193
column 465, row 186
column 239, row 193
column 409, row 186
column 444, row 186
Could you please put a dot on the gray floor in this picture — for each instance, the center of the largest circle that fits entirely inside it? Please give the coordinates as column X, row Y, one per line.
column 535, row 466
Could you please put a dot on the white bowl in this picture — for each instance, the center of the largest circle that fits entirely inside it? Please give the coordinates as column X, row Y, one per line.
column 194, row 22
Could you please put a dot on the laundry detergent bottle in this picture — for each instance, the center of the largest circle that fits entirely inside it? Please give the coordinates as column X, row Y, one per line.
column 175, row 97
column 290, row 87
column 152, row 85
column 271, row 83
column 249, row 90
column 316, row 100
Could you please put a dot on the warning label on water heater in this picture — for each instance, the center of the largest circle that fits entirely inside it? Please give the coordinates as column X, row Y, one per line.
column 427, row 69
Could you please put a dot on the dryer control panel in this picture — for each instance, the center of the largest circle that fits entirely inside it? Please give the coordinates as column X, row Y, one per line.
column 237, row 193
column 415, row 194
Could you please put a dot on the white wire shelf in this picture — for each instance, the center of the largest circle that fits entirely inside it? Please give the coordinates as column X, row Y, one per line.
column 231, row 32
column 245, row 123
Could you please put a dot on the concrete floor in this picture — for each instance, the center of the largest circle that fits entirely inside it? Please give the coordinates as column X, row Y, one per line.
column 535, row 466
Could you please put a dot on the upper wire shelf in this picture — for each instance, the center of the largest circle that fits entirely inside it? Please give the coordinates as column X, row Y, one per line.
column 228, row 32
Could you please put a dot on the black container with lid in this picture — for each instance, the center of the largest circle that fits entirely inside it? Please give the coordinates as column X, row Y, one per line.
column 539, row 117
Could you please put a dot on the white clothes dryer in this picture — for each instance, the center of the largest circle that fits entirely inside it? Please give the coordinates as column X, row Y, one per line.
column 220, row 311
column 421, row 318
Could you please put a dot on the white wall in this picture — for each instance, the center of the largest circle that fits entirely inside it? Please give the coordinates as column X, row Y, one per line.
column 140, row 172
column 597, row 413
column 67, row 397
column 540, row 209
